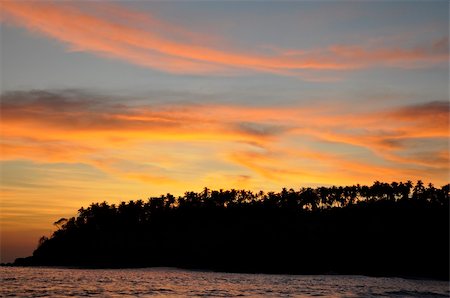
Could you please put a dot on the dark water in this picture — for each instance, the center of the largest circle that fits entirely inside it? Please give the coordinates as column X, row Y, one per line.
column 168, row 282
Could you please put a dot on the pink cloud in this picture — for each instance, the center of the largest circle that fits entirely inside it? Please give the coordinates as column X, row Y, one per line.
column 112, row 31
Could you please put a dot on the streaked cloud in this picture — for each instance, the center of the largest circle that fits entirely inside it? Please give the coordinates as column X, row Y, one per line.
column 112, row 31
column 70, row 126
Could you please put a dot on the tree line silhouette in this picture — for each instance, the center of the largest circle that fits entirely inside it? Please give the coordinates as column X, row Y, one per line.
column 385, row 229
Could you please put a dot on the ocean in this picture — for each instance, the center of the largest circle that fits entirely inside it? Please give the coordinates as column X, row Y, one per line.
column 172, row 282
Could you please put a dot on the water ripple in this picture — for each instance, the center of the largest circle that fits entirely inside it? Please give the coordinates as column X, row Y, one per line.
column 170, row 282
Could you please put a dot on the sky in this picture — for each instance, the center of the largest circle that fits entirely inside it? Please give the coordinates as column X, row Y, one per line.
column 117, row 101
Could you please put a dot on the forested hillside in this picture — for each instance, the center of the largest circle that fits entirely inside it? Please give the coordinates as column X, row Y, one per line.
column 385, row 229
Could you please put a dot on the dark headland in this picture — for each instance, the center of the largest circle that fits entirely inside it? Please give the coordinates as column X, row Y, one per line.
column 387, row 229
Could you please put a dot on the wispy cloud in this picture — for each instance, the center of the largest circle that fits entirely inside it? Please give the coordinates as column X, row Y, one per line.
column 117, row 32
column 70, row 126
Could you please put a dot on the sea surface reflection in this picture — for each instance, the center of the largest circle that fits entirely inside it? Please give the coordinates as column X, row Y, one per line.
column 169, row 282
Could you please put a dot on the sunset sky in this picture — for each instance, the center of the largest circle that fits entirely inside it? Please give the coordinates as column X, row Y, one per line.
column 125, row 100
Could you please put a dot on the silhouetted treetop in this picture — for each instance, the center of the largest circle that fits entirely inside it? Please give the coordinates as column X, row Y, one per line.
column 393, row 228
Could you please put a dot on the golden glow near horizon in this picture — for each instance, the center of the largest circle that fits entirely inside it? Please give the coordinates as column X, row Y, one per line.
column 65, row 145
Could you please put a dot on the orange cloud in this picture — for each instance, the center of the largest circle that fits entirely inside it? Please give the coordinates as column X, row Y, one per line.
column 305, row 167
column 59, row 126
column 113, row 31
